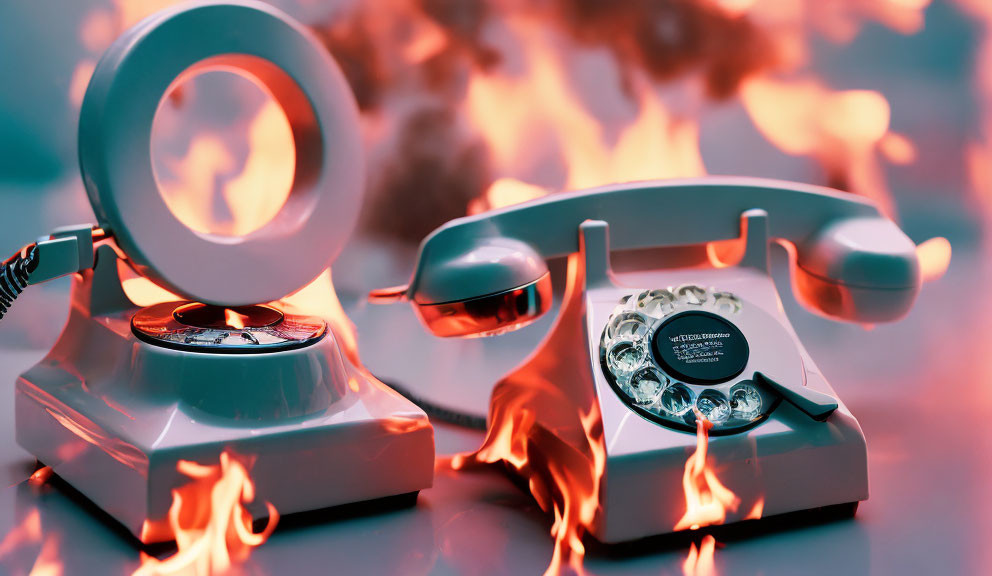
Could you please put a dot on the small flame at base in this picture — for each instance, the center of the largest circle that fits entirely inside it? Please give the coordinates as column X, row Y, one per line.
column 706, row 498
column 209, row 522
column 706, row 503
column 29, row 533
column 700, row 560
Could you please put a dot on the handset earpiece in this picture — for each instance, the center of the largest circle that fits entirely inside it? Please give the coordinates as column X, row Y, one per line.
column 481, row 288
column 859, row 269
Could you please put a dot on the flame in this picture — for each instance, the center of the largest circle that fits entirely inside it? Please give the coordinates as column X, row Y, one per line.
column 39, row 477
column 48, row 562
column 428, row 40
column 655, row 144
column 214, row 189
column 505, row 192
column 140, row 290
column 706, row 498
column 257, row 194
column 935, row 257
column 566, row 482
column 29, row 533
column 207, row 518
column 846, row 130
column 320, row 299
column 707, row 501
column 515, row 76
column 234, row 320
column 25, row 533
column 699, row 562
column 543, row 118
column 563, row 468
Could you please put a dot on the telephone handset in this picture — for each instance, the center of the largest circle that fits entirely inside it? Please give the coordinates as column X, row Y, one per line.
column 486, row 274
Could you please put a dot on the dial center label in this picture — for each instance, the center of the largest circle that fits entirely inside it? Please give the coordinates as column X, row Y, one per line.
column 701, row 348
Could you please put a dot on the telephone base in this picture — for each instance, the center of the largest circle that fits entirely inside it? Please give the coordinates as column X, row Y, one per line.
column 788, row 464
column 113, row 415
column 634, row 466
column 785, row 463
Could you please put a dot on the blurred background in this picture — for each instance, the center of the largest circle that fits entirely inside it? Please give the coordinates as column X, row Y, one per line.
column 472, row 104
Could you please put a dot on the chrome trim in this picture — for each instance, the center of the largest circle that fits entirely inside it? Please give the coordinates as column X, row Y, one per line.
column 490, row 314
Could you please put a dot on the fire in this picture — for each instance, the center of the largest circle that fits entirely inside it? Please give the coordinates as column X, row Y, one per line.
column 707, row 501
column 505, row 192
column 48, row 562
column 27, row 532
column 554, row 481
column 700, row 560
column 706, row 498
column 540, row 110
column 211, row 527
column 847, row 131
column 320, row 299
column 563, row 468
column 259, row 191
column 30, row 533
column 234, row 320
column 935, row 257
column 555, row 99
column 253, row 190
column 40, row 476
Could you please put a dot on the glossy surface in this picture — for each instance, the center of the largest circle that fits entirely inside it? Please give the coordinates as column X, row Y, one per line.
column 490, row 314
column 205, row 328
column 113, row 415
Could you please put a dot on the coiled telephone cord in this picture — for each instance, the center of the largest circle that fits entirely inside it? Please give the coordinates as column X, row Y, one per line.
column 14, row 274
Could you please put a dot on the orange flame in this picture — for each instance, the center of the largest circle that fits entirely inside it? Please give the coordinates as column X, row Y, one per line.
column 234, row 320
column 541, row 111
column 48, row 562
column 561, row 484
column 847, row 131
column 208, row 520
column 25, row 533
column 699, row 562
column 706, row 498
column 935, row 257
column 707, row 501
column 252, row 195
column 29, row 533
column 40, row 476
column 564, row 468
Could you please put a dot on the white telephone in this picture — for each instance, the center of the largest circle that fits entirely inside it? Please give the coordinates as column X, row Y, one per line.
column 647, row 355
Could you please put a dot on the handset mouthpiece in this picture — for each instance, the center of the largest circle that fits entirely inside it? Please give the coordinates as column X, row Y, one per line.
column 481, row 286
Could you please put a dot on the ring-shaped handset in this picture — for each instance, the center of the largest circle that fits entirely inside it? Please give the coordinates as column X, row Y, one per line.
column 485, row 274
column 115, row 128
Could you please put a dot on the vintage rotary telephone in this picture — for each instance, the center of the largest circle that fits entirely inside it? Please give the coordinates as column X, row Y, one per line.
column 651, row 351
column 128, row 392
